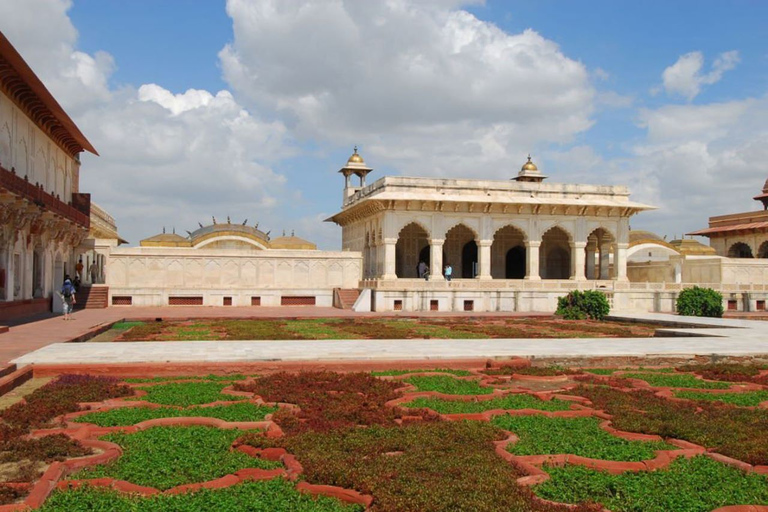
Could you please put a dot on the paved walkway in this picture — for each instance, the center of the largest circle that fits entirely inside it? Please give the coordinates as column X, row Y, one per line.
column 718, row 336
column 24, row 338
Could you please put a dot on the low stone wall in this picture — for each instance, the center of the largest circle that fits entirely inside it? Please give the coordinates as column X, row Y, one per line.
column 466, row 299
column 143, row 276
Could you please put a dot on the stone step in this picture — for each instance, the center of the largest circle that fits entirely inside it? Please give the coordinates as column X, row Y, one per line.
column 347, row 297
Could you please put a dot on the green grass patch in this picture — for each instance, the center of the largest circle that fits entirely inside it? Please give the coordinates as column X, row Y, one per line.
column 600, row 371
column 318, row 329
column 540, row 435
column 185, row 394
column 516, row 401
column 395, row 373
column 675, row 380
column 699, row 484
column 746, row 399
column 448, row 385
column 164, row 457
column 121, row 326
column 210, row 377
column 270, row 496
column 124, row 416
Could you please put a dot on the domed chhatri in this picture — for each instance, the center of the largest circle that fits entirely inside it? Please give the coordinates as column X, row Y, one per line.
column 529, row 172
column 763, row 196
column 355, row 165
column 356, row 158
column 529, row 166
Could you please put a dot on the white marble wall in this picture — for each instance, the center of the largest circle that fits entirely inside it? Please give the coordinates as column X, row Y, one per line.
column 151, row 275
column 27, row 149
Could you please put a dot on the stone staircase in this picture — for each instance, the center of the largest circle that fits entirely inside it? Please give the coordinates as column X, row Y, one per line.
column 92, row 297
column 345, row 298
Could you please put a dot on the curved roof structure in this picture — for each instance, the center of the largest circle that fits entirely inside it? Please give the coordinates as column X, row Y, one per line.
column 228, row 236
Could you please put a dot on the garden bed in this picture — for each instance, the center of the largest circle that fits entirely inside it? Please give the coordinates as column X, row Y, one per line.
column 373, row 328
column 392, row 440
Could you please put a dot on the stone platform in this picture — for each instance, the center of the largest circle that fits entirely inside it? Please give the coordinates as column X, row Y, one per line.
column 703, row 337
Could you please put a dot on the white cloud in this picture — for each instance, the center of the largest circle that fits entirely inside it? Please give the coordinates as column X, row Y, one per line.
column 699, row 161
column 167, row 159
column 45, row 36
column 684, row 77
column 422, row 86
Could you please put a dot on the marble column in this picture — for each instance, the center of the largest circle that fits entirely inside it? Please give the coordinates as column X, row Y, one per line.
column 8, row 265
column 436, row 259
column 590, row 260
column 532, row 260
column 389, row 258
column 578, row 261
column 620, row 262
column 484, row 259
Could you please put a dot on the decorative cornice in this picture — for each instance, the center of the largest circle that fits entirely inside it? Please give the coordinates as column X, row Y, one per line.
column 24, row 88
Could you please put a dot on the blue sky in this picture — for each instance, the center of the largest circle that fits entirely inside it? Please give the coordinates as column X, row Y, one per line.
column 668, row 98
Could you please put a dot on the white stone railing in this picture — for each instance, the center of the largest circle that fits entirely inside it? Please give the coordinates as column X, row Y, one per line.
column 492, row 284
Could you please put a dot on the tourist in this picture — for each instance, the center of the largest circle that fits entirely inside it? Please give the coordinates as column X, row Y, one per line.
column 68, row 297
column 448, row 271
column 423, row 269
column 94, row 271
column 79, row 270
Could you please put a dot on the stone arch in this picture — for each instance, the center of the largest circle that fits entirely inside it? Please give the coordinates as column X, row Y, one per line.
column 740, row 250
column 460, row 251
column 508, row 253
column 600, row 254
column 411, row 241
column 418, row 222
column 555, row 254
column 762, row 251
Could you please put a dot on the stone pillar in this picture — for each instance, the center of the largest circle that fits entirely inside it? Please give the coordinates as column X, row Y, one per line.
column 8, row 264
column 436, row 259
column 484, row 259
column 620, row 262
column 532, row 260
column 577, row 261
column 389, row 258
column 590, row 261
column 605, row 259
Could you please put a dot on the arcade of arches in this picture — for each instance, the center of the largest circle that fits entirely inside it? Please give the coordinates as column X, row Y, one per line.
column 510, row 255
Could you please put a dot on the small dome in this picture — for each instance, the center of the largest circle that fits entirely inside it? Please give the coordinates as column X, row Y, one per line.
column 355, row 158
column 292, row 242
column 529, row 166
column 765, row 187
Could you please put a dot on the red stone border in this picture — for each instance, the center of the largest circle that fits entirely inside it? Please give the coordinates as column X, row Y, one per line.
column 86, row 433
column 669, row 394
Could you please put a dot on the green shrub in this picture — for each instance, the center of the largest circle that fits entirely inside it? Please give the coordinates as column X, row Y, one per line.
column 578, row 305
column 700, row 302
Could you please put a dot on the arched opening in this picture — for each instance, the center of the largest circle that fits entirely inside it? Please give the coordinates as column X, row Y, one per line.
column 469, row 260
column 412, row 242
column 555, row 254
column 600, row 254
column 505, row 264
column 514, row 267
column 740, row 250
column 762, row 252
column 460, row 251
